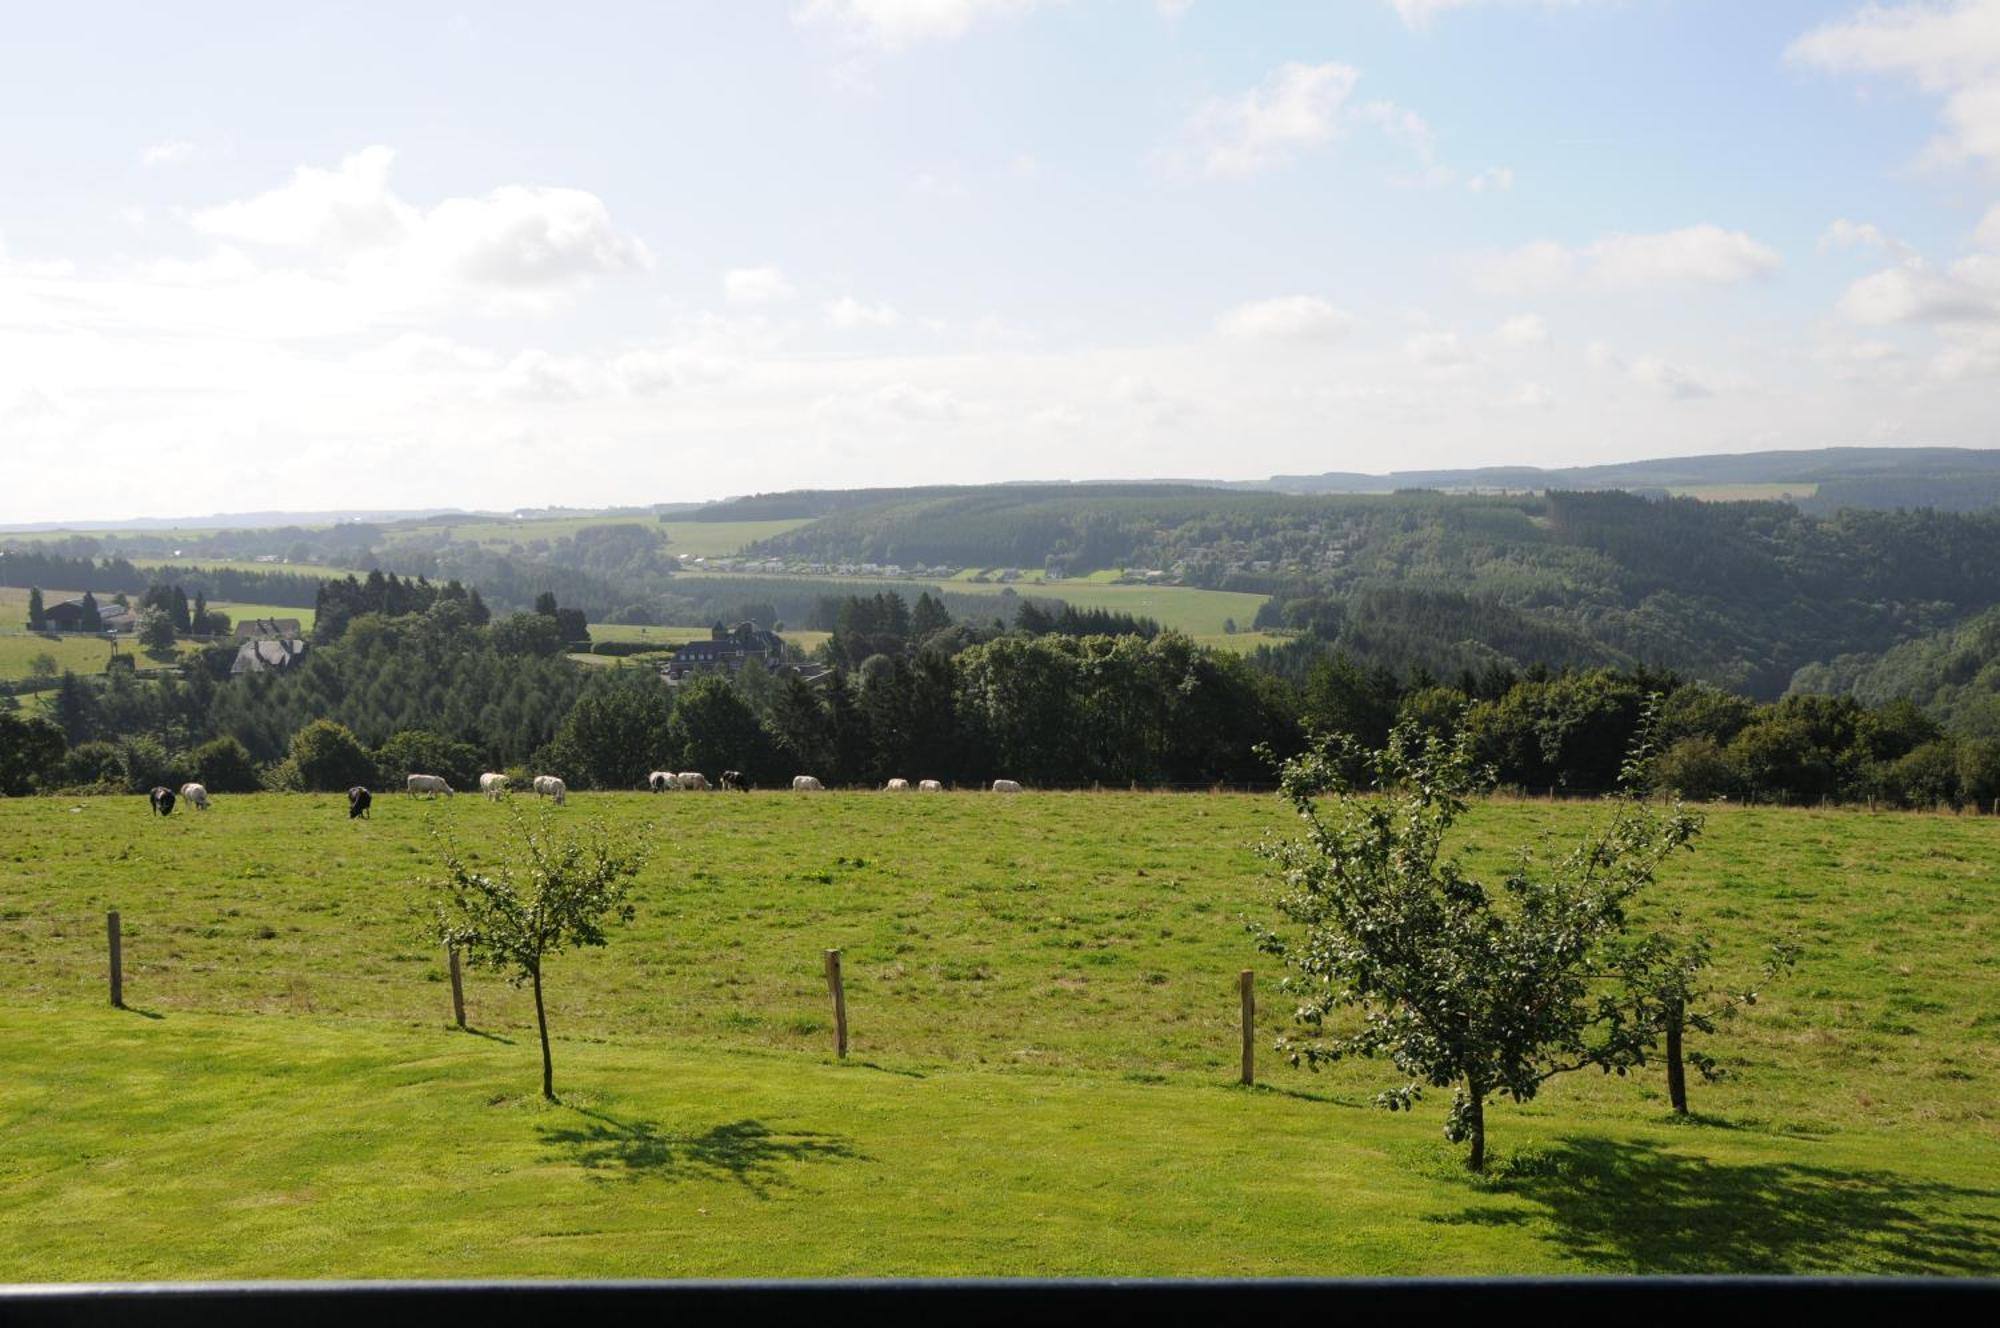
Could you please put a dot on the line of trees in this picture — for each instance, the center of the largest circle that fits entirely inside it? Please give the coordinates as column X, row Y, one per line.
column 408, row 671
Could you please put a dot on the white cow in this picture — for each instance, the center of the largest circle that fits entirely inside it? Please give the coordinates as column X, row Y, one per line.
column 663, row 781
column 807, row 784
column 929, row 786
column 694, row 780
column 897, row 786
column 492, row 785
column 548, row 786
column 1005, row 786
column 432, row 784
column 195, row 796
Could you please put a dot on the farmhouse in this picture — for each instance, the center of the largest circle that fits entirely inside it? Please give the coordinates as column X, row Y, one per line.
column 266, row 629
column 727, row 648
column 68, row 617
column 267, row 655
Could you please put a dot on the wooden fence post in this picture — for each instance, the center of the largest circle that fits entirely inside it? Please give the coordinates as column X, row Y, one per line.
column 111, row 929
column 457, row 987
column 839, row 991
column 1247, row 981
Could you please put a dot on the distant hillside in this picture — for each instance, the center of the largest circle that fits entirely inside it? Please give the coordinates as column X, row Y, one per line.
column 1854, row 470
column 1743, row 594
column 1953, row 674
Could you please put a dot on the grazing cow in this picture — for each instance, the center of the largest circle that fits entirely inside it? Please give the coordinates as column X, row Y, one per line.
column 431, row 784
column 195, row 796
column 1005, row 786
column 493, row 785
column 359, row 800
column 548, row 786
column 694, row 781
column 807, row 784
column 663, row 781
column 929, row 786
column 162, row 800
column 733, row 779
column 897, row 786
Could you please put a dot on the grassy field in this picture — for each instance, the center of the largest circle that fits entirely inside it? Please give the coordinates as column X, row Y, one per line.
column 1743, row 493
column 692, row 539
column 1196, row 612
column 1041, row 992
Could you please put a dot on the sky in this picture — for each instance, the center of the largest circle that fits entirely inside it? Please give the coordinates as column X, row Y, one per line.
column 496, row 256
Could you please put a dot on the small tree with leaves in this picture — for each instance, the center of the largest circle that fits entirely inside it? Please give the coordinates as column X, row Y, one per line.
column 37, row 615
column 1490, row 990
column 1670, row 987
column 551, row 890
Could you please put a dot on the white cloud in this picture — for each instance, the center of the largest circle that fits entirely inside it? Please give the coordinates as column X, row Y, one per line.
column 1286, row 318
column 340, row 210
column 1532, row 396
column 756, row 285
column 517, row 237
column 1523, row 330
column 933, row 405
column 1437, row 350
column 1672, row 379
column 1497, row 180
column 1297, row 108
column 848, row 314
column 1988, row 235
column 1950, row 49
column 896, row 25
column 1915, row 292
column 422, row 352
column 1694, row 255
column 172, row 152
column 1845, row 234
column 537, row 375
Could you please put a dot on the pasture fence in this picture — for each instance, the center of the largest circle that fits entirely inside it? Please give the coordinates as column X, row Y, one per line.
column 114, row 936
column 839, row 992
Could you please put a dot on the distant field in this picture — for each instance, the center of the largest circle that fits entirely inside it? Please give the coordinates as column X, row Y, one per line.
column 244, row 565
column 673, row 636
column 89, row 654
column 1196, row 612
column 1743, row 493
column 1041, row 992
column 705, row 539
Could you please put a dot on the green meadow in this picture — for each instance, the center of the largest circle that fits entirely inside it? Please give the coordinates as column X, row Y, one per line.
column 1042, row 999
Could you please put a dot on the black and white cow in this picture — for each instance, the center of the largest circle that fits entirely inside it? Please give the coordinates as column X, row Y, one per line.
column 359, row 799
column 162, row 800
column 733, row 779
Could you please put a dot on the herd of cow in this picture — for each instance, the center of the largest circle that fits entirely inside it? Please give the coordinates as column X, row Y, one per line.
column 493, row 785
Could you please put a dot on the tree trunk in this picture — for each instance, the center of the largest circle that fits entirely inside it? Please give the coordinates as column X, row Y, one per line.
column 1476, row 1118
column 542, row 1022
column 1677, row 1083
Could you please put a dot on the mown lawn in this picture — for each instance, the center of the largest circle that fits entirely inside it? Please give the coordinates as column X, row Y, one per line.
column 1041, row 993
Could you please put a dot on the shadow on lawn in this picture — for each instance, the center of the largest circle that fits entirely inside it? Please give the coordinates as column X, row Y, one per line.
column 745, row 1151
column 1635, row 1208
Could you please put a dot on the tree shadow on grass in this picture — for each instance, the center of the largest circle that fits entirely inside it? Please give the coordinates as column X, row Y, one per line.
column 1634, row 1207
column 142, row 1012
column 746, row 1151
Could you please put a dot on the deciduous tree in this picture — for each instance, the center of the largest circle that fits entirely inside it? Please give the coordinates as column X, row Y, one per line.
column 1489, row 989
column 551, row 890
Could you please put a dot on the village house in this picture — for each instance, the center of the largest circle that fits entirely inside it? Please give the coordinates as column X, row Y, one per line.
column 727, row 648
column 280, row 629
column 267, row 655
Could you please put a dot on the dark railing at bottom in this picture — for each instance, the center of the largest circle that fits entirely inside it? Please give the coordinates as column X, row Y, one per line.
column 1010, row 1301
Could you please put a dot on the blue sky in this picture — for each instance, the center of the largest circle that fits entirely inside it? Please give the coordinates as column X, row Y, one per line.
column 293, row 256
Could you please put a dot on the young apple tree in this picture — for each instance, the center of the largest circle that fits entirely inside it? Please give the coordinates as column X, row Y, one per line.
column 551, row 890
column 1489, row 989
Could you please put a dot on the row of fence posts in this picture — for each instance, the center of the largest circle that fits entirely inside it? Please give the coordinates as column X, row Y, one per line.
column 836, row 988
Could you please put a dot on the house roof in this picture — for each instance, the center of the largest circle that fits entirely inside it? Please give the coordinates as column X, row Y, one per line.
column 266, row 654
